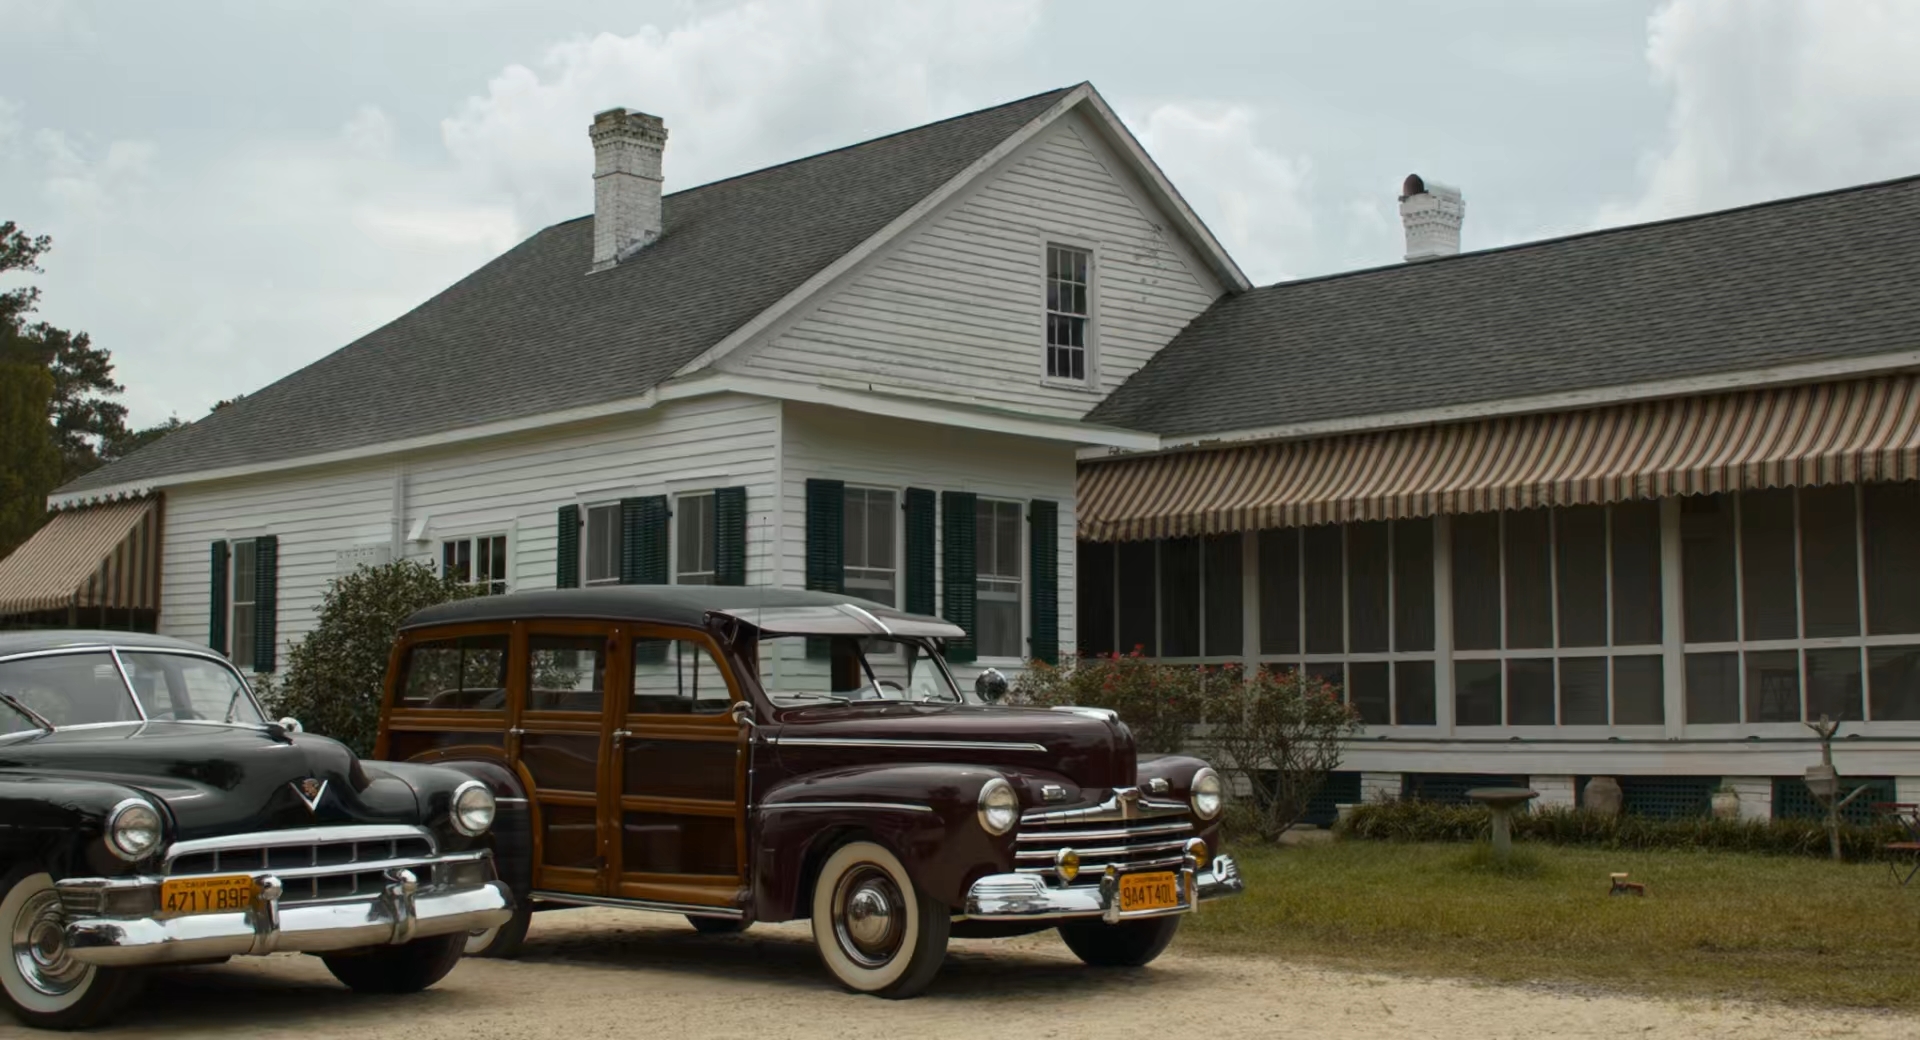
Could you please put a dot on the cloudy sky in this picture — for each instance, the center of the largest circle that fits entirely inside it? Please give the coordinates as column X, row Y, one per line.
column 238, row 188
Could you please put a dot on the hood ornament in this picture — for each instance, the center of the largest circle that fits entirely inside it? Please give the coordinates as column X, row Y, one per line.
column 310, row 792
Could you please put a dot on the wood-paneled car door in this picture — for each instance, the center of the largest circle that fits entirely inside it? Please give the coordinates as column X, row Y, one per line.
column 561, row 738
column 679, row 774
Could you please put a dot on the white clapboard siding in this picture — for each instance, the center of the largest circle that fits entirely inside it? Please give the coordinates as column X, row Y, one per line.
column 957, row 308
column 891, row 453
column 315, row 515
column 513, row 487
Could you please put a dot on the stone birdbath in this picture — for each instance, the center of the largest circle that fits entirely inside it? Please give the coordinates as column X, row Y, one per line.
column 1502, row 801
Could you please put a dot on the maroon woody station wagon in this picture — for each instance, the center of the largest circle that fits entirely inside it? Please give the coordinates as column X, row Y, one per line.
column 740, row 754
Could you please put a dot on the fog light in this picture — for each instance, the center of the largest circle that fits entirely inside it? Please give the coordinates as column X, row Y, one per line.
column 470, row 874
column 1197, row 852
column 1067, row 865
column 131, row 902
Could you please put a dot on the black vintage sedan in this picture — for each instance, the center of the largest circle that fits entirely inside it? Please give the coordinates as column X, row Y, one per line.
column 151, row 814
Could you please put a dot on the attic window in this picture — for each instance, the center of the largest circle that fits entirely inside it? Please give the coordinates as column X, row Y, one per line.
column 1067, row 312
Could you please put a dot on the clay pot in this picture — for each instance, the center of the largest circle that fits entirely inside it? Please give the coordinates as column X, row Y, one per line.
column 1726, row 805
column 1602, row 795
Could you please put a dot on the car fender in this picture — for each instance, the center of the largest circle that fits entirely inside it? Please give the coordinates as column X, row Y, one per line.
column 58, row 822
column 927, row 815
column 512, row 833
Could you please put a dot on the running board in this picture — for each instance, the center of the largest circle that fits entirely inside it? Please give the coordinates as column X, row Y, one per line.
column 574, row 899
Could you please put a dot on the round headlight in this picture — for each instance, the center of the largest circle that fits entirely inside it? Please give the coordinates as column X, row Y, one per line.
column 133, row 829
column 473, row 808
column 999, row 806
column 1209, row 794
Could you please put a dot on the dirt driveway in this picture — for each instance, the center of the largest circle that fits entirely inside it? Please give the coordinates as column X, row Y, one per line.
column 600, row 973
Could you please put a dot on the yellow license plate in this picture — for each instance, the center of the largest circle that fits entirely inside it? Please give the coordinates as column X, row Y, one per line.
column 206, row 895
column 1148, row 892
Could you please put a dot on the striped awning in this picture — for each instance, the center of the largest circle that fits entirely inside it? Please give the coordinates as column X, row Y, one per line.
column 106, row 556
column 1860, row 430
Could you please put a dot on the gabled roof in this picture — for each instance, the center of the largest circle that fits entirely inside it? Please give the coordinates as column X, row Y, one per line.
column 1831, row 278
column 532, row 332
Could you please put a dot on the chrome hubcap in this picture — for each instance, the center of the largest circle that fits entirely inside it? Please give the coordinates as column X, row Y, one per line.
column 869, row 916
column 40, row 947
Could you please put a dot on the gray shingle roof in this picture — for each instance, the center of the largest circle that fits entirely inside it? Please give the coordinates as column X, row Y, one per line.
column 531, row 332
column 1821, row 277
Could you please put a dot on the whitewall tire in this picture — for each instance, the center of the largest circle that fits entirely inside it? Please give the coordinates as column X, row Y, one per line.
column 876, row 932
column 44, row 986
column 502, row 941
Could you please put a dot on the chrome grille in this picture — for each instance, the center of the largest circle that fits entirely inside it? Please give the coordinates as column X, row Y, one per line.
column 1126, row 832
column 314, row 864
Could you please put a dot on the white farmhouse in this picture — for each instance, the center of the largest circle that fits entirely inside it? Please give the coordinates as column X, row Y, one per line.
column 868, row 369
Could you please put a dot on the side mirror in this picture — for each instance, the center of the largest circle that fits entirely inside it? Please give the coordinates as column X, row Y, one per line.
column 990, row 686
column 291, row 725
column 742, row 712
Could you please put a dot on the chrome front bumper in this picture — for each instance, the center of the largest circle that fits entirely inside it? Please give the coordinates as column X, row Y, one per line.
column 404, row 910
column 1028, row 897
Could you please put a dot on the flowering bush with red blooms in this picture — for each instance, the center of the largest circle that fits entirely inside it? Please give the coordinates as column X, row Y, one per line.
column 1279, row 734
column 1160, row 703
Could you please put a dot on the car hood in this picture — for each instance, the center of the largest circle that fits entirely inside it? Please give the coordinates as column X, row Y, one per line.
column 217, row 780
column 1093, row 749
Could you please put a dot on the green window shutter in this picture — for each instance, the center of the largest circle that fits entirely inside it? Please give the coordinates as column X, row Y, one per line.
column 826, row 535
column 1043, row 580
column 643, row 540
column 959, row 569
column 566, row 564
column 826, row 545
column 921, row 521
column 730, row 536
column 644, row 526
column 217, row 601
column 266, row 601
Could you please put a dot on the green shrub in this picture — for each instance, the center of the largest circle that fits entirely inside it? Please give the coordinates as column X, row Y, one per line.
column 1277, row 734
column 1160, row 703
column 1411, row 820
column 333, row 679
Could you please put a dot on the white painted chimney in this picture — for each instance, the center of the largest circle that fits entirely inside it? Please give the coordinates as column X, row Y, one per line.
column 627, row 147
column 1431, row 214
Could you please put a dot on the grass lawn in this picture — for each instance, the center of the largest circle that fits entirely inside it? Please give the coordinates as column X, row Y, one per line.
column 1711, row 925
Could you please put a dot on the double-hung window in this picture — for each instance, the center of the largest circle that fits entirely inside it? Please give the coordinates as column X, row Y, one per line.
column 997, row 545
column 241, row 604
column 694, row 535
column 869, row 525
column 478, row 562
column 1068, row 311
column 600, row 563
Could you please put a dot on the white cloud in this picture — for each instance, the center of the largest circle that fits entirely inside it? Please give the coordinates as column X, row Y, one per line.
column 208, row 276
column 1778, row 97
column 739, row 89
column 214, row 269
column 1252, row 197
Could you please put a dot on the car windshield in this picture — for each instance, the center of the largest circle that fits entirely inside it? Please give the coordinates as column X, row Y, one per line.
column 187, row 688
column 798, row 670
column 82, row 689
column 66, row 690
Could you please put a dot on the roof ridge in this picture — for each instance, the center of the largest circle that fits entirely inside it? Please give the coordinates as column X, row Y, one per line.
column 704, row 185
column 1573, row 236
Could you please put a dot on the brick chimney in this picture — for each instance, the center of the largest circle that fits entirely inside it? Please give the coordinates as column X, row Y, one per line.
column 627, row 147
column 1431, row 214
